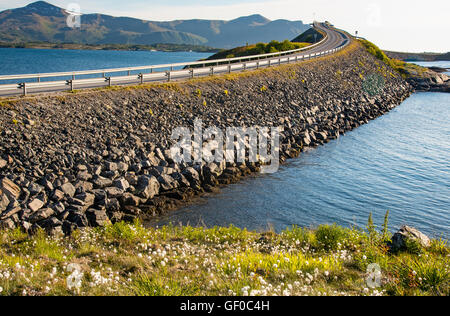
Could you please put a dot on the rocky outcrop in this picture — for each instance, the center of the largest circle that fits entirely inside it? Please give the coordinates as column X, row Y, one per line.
column 405, row 234
column 429, row 80
column 91, row 158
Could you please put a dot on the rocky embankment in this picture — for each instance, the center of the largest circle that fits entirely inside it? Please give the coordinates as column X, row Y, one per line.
column 90, row 158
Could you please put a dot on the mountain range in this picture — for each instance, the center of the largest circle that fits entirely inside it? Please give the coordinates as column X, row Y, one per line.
column 43, row 22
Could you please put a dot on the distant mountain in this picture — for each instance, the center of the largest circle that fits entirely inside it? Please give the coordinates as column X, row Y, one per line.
column 43, row 22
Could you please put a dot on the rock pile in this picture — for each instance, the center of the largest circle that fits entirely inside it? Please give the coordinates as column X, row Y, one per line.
column 88, row 159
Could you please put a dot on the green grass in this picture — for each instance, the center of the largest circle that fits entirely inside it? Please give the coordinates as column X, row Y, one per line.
column 128, row 259
column 403, row 68
column 257, row 49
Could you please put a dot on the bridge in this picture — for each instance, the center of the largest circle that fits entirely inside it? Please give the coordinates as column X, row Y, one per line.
column 333, row 41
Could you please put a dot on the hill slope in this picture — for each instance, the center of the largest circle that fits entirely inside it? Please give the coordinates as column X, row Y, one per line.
column 43, row 22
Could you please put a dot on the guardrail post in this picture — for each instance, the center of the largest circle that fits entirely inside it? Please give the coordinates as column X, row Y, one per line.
column 141, row 78
column 38, row 79
column 23, row 87
column 129, row 73
column 168, row 76
column 257, row 64
column 211, row 71
column 245, row 67
column 279, row 61
column 229, row 68
column 70, row 83
column 109, row 81
column 191, row 71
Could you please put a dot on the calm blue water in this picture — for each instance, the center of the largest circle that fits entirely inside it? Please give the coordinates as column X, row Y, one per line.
column 442, row 64
column 399, row 162
column 31, row 61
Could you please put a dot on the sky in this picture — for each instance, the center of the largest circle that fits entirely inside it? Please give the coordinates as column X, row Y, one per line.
column 397, row 25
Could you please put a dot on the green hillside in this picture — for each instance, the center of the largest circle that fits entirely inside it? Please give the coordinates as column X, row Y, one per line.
column 260, row 48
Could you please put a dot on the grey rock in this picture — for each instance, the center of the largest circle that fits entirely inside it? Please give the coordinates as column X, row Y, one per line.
column 131, row 178
column 111, row 166
column 9, row 188
column 147, row 187
column 85, row 198
column 82, row 168
column 68, row 189
column 78, row 219
column 113, row 205
column 97, row 218
column 122, row 167
column 193, row 177
column 129, row 199
column 36, row 205
column 101, row 182
column 35, row 189
column 84, row 176
column 10, row 212
column 57, row 195
column 7, row 224
column 4, row 202
column 167, row 183
column 41, row 215
column 114, row 192
column 182, row 181
column 85, row 185
column 122, row 184
column 58, row 208
column 399, row 240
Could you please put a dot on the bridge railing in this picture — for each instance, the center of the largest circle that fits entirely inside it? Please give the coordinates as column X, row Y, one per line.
column 215, row 66
column 153, row 67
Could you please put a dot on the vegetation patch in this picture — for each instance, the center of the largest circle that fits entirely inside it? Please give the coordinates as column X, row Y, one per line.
column 257, row 49
column 128, row 259
column 404, row 68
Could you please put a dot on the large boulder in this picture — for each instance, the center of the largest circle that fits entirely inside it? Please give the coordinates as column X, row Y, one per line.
column 400, row 239
column 9, row 188
column 193, row 177
column 4, row 202
column 147, row 187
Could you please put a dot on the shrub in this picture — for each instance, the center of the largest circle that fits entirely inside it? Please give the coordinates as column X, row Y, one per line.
column 329, row 237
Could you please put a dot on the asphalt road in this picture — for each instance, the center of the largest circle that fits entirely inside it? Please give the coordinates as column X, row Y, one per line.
column 334, row 40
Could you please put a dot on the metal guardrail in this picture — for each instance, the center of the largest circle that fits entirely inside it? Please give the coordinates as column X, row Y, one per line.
column 218, row 66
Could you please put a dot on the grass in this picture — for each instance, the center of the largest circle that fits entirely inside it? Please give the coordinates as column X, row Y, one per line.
column 128, row 259
column 257, row 49
column 403, row 68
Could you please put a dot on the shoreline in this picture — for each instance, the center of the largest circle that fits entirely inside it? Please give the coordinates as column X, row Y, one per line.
column 110, row 160
column 166, row 48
